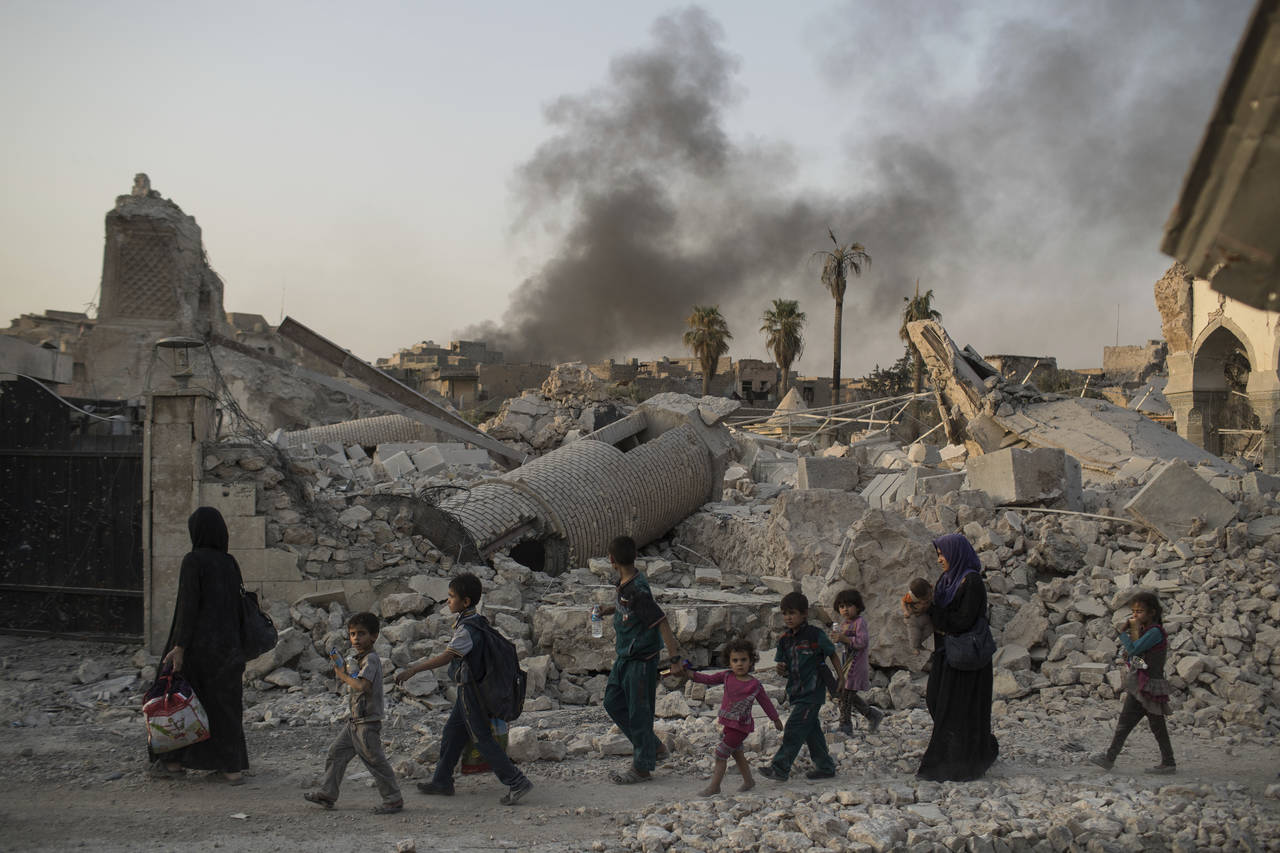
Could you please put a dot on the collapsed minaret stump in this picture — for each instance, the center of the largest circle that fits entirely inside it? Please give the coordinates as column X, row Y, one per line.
column 638, row 476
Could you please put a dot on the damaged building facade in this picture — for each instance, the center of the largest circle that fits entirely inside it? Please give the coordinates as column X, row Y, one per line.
column 1216, row 344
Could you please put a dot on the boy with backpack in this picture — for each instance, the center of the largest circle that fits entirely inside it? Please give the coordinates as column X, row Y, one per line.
column 474, row 648
column 801, row 650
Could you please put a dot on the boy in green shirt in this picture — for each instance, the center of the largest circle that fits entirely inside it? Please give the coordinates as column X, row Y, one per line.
column 640, row 627
column 801, row 650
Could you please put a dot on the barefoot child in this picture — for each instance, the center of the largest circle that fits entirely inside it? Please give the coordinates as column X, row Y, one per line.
column 1146, row 646
column 741, row 691
column 853, row 636
column 362, row 735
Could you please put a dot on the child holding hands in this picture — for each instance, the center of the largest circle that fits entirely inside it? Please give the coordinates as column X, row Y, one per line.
column 741, row 691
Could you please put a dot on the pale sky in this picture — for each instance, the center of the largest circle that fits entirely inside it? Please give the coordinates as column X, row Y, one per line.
column 389, row 173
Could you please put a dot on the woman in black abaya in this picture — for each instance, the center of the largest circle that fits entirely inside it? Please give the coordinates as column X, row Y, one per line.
column 962, row 746
column 204, row 646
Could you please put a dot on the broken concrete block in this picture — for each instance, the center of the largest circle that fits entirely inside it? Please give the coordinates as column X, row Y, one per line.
column 986, row 433
column 940, row 484
column 1257, row 483
column 953, row 454
column 880, row 491
column 714, row 410
column 1177, row 502
column 429, row 461
column 867, row 449
column 823, row 472
column 1020, row 477
column 398, row 465
column 923, row 454
column 400, row 603
column 454, row 455
column 355, row 453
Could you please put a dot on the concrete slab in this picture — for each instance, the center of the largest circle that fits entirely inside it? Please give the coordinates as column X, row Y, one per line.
column 455, row 455
column 399, row 464
column 429, row 461
column 1022, row 477
column 827, row 472
column 940, row 484
column 880, row 492
column 1176, row 501
column 1257, row 483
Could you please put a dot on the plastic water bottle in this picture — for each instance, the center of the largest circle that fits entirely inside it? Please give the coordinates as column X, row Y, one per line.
column 597, row 622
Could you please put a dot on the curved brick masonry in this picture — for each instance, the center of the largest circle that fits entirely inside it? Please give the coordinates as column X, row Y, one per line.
column 382, row 429
column 561, row 509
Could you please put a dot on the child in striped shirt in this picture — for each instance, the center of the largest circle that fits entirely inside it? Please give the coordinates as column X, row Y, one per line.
column 741, row 692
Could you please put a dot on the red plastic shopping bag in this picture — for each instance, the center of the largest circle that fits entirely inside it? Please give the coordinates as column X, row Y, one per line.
column 174, row 716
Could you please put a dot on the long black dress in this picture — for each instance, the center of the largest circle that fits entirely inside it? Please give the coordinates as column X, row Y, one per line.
column 206, row 623
column 962, row 746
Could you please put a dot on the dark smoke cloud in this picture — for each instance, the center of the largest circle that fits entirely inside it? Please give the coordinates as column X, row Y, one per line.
column 1037, row 168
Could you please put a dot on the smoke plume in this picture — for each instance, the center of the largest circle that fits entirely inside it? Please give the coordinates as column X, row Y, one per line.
column 1018, row 160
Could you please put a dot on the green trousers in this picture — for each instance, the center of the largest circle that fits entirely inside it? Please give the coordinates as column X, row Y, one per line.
column 628, row 699
column 803, row 728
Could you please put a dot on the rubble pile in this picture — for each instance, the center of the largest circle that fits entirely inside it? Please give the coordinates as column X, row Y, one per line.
column 571, row 403
column 1059, row 583
column 1018, row 813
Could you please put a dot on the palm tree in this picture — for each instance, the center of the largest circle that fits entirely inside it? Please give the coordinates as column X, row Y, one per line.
column 919, row 307
column 836, row 266
column 782, row 326
column 708, row 337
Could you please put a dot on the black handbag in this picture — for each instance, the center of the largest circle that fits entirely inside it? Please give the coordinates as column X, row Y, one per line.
column 257, row 632
column 971, row 650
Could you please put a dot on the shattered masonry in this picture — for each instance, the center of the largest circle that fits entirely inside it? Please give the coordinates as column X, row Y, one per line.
column 638, row 476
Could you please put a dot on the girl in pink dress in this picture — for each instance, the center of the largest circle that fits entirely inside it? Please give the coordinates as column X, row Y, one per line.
column 851, row 637
column 741, row 692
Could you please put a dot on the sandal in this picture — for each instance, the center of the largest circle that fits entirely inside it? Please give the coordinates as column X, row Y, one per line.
column 630, row 776
column 161, row 770
column 319, row 799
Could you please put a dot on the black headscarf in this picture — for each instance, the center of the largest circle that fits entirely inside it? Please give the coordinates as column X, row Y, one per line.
column 961, row 561
column 207, row 528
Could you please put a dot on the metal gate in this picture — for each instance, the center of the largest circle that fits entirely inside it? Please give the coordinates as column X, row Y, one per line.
column 70, row 514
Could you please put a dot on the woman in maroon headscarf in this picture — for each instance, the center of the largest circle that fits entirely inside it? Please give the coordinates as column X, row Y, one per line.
column 962, row 746
column 204, row 645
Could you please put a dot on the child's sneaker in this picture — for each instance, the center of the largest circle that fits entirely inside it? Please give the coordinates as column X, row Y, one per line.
column 513, row 795
column 769, row 773
column 318, row 798
column 1163, row 769
column 1102, row 760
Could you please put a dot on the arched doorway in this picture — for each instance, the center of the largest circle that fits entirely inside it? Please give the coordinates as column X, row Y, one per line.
column 1223, row 415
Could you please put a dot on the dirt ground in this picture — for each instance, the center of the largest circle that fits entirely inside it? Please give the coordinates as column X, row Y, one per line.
column 77, row 779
